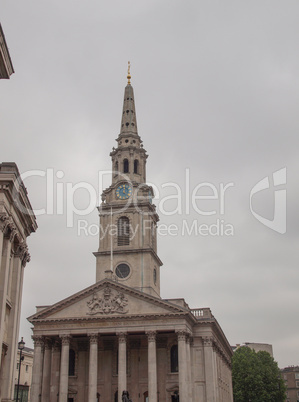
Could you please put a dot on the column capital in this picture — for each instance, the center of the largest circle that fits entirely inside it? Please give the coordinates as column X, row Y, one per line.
column 4, row 221
column 56, row 346
column 48, row 343
column 38, row 340
column 151, row 336
column 8, row 227
column 207, row 340
column 65, row 339
column 122, row 337
column 93, row 337
column 189, row 339
column 182, row 335
column 22, row 253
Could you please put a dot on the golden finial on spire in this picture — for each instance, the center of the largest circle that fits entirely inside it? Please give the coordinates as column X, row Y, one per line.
column 129, row 75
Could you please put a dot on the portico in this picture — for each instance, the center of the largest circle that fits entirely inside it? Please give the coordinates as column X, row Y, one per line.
column 96, row 346
column 83, row 357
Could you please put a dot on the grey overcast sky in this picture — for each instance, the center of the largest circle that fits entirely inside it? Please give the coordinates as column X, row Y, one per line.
column 216, row 92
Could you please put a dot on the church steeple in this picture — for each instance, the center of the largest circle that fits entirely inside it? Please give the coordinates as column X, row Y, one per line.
column 128, row 121
column 128, row 219
column 129, row 158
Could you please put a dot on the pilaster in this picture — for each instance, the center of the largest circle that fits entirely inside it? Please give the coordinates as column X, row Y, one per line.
column 210, row 369
column 189, row 371
column 14, row 297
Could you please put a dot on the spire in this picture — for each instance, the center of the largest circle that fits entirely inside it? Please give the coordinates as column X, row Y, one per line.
column 128, row 121
column 129, row 75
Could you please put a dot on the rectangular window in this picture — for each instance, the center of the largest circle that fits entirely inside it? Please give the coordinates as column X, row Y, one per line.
column 17, row 366
column 26, row 368
column 297, row 384
column 297, row 376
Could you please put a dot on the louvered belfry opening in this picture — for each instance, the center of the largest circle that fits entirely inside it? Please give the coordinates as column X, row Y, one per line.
column 136, row 166
column 123, row 231
column 126, row 166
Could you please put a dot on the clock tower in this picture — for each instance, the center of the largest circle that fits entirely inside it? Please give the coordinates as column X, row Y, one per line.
column 128, row 220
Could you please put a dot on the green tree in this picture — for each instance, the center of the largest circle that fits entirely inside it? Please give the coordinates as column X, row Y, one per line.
column 256, row 377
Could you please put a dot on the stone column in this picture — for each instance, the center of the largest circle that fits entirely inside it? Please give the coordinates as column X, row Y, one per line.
column 189, row 369
column 3, row 218
column 14, row 294
column 183, row 389
column 93, row 367
column 152, row 366
column 209, row 369
column 64, row 368
column 37, row 369
column 122, row 364
column 55, row 371
column 5, row 258
column 47, row 371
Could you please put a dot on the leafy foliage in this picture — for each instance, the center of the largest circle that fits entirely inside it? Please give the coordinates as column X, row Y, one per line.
column 256, row 377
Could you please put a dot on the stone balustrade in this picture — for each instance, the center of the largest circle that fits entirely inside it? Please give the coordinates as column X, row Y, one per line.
column 201, row 312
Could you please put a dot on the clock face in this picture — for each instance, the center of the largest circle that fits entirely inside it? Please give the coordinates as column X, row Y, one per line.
column 124, row 191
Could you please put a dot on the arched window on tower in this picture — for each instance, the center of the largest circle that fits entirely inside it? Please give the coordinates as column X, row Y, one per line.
column 123, row 231
column 116, row 168
column 72, row 359
column 126, row 166
column 136, row 166
column 174, row 359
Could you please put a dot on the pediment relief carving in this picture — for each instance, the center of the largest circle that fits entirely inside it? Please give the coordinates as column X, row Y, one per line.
column 107, row 301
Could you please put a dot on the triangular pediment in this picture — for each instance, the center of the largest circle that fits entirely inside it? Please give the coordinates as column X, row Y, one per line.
column 107, row 299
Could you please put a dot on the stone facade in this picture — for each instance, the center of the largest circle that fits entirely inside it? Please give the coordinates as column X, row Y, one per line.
column 291, row 377
column 258, row 347
column 25, row 374
column 119, row 334
column 6, row 67
column 16, row 223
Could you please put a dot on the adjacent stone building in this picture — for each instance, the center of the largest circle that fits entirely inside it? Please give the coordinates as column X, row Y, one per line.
column 6, row 67
column 291, row 377
column 16, row 223
column 119, row 334
column 25, row 374
column 258, row 347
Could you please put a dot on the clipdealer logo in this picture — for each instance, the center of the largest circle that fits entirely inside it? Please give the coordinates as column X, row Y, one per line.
column 279, row 221
column 204, row 200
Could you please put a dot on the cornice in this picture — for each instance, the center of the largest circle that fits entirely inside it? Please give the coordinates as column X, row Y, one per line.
column 130, row 251
column 147, row 317
column 16, row 193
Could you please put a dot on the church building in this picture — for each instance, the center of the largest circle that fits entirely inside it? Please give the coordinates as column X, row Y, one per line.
column 119, row 334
